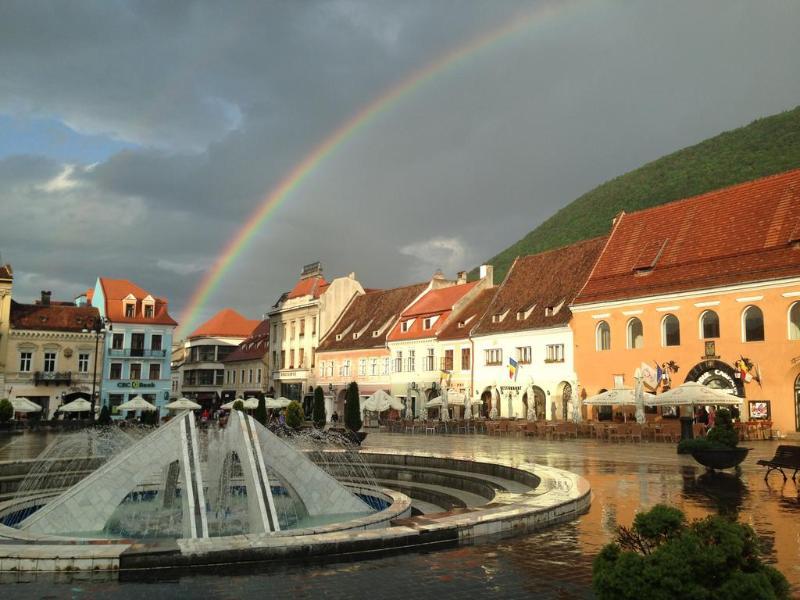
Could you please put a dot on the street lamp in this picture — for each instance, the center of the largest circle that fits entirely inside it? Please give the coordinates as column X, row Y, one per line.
column 98, row 327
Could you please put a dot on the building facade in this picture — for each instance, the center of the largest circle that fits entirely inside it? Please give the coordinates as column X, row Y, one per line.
column 355, row 347
column 6, row 284
column 202, row 370
column 706, row 291
column 247, row 367
column 523, row 343
column 51, row 353
column 417, row 376
column 298, row 321
column 137, row 344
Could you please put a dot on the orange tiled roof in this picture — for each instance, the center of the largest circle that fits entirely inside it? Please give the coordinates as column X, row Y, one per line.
column 254, row 347
column 226, row 323
column 460, row 325
column 536, row 283
column 436, row 303
column 309, row 286
column 53, row 317
column 115, row 290
column 367, row 313
column 745, row 233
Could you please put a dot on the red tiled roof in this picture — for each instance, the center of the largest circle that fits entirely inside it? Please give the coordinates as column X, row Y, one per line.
column 309, row 286
column 226, row 323
column 367, row 313
column 53, row 317
column 460, row 325
column 436, row 303
column 539, row 282
column 115, row 290
column 254, row 347
column 735, row 235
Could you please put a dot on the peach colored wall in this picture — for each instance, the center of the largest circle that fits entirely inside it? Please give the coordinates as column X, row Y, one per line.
column 354, row 356
column 777, row 356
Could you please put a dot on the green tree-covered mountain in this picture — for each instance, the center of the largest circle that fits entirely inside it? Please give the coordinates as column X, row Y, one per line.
column 766, row 146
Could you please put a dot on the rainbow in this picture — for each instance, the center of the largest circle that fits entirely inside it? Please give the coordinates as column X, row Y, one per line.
column 301, row 171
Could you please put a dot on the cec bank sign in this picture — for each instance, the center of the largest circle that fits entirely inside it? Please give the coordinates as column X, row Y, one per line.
column 136, row 384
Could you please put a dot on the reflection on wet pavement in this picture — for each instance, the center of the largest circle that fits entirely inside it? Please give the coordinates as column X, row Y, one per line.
column 554, row 563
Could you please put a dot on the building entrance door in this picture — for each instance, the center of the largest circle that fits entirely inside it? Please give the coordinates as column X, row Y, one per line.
column 797, row 404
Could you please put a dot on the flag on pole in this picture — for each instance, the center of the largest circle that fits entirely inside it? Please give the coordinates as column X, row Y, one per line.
column 649, row 376
column 512, row 369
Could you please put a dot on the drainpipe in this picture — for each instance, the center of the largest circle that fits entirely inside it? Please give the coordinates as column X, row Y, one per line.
column 471, row 369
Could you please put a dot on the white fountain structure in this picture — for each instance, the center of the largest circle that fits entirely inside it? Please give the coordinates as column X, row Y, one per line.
column 174, row 450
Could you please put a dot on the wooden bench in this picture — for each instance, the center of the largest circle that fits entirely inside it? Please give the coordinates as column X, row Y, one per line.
column 786, row 457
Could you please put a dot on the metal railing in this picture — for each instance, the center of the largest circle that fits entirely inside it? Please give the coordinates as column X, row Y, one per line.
column 137, row 352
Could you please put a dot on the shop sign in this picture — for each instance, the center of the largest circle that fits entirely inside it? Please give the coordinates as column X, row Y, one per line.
column 717, row 374
column 136, row 384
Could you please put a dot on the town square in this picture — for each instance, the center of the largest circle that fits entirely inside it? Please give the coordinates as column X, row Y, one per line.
column 433, row 299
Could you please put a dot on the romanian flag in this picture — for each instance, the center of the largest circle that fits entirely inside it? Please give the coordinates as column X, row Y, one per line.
column 512, row 369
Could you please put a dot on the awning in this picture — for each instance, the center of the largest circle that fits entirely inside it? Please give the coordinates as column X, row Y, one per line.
column 183, row 404
column 23, row 405
column 136, row 403
column 80, row 405
column 692, row 392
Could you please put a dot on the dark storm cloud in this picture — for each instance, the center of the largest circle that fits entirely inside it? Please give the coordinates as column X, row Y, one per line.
column 221, row 100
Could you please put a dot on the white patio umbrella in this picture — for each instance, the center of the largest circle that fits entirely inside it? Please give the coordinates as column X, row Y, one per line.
column 183, row 404
column 78, row 405
column 409, row 411
column 275, row 403
column 444, row 414
column 467, row 407
column 691, row 392
column 23, row 405
column 618, row 397
column 137, row 403
column 380, row 401
column 251, row 403
column 435, row 402
column 639, row 393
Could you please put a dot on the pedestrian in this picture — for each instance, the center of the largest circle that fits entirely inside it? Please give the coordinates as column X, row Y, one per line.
column 282, row 418
column 712, row 415
column 702, row 415
column 335, row 417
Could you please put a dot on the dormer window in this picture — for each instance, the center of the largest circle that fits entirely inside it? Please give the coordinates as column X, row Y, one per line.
column 149, row 307
column 648, row 257
column 130, row 310
column 428, row 322
column 498, row 317
column 406, row 325
column 548, row 311
column 148, row 311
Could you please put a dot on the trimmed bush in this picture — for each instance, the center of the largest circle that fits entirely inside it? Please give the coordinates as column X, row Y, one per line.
column 318, row 413
column 352, row 408
column 294, row 415
column 105, row 416
column 261, row 412
column 6, row 410
column 712, row 558
column 723, row 432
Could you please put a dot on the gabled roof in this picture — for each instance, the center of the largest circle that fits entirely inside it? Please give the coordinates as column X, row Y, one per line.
column 461, row 323
column 115, row 290
column 308, row 286
column 368, row 313
column 52, row 317
column 254, row 347
column 435, row 303
column 539, row 288
column 745, row 233
column 226, row 323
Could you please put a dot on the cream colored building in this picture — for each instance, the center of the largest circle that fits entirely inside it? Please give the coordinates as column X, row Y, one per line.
column 247, row 367
column 6, row 280
column 298, row 321
column 52, row 356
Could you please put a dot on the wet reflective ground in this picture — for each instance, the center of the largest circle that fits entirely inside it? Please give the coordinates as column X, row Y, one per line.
column 555, row 563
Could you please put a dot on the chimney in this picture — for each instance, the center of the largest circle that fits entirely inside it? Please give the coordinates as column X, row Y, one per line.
column 46, row 298
column 462, row 277
column 487, row 273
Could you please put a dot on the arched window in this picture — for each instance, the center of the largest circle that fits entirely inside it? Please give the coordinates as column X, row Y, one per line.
column 709, row 325
column 794, row 321
column 753, row 324
column 603, row 335
column 670, row 331
column 635, row 333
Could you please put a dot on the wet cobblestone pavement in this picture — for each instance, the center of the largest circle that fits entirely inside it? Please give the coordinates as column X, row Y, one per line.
column 555, row 563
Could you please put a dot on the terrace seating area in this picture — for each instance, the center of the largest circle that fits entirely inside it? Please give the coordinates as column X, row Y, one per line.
column 666, row 430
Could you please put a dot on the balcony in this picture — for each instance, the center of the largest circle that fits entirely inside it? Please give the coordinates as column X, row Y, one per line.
column 56, row 378
column 136, row 353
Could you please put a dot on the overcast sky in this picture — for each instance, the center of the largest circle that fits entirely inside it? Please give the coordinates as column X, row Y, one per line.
column 136, row 137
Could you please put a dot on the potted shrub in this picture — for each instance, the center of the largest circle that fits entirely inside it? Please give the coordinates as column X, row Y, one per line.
column 6, row 411
column 318, row 413
column 720, row 448
column 663, row 556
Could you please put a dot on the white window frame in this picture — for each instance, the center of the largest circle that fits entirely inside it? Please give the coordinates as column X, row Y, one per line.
column 54, row 355
column 664, row 331
column 524, row 355
column 700, row 327
column 744, row 321
column 630, row 342
column 554, row 353
column 29, row 360
column 598, row 339
column 362, row 367
column 793, row 306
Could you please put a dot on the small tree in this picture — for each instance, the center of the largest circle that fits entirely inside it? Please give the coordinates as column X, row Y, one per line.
column 238, row 405
column 352, row 408
column 318, row 413
column 294, row 415
column 261, row 412
column 105, row 416
column 6, row 410
column 723, row 432
column 662, row 554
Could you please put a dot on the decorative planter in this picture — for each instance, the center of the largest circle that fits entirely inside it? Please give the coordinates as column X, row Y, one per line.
column 720, row 459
